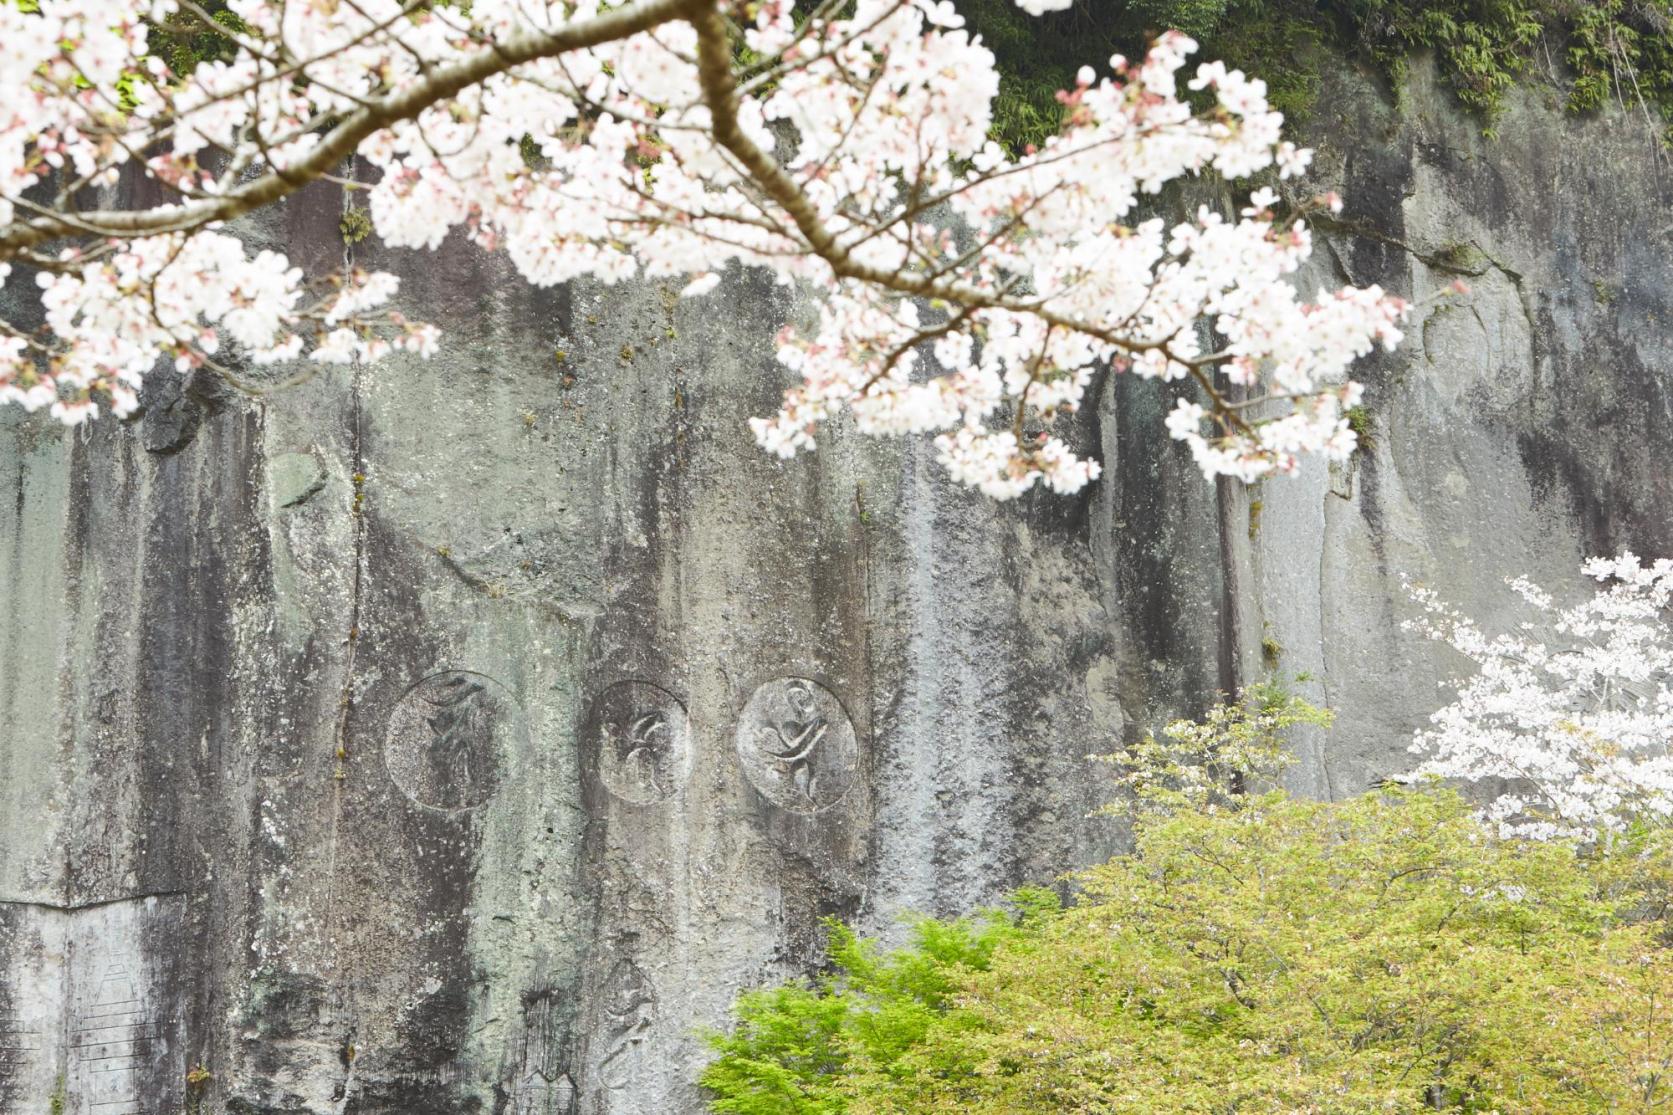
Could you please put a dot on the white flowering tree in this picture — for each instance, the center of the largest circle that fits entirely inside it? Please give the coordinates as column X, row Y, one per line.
column 966, row 292
column 1575, row 710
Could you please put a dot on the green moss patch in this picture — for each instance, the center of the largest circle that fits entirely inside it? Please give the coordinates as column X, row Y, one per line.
column 1598, row 52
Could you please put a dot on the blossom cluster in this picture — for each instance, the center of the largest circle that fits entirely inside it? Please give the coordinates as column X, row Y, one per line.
column 1574, row 712
column 969, row 292
column 1045, row 279
column 80, row 100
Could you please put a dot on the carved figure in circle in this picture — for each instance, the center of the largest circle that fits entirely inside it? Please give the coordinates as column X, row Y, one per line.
column 458, row 719
column 797, row 744
column 628, row 1006
column 448, row 737
column 644, row 742
column 791, row 741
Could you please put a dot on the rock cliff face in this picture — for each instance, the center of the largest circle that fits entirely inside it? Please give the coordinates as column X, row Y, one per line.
column 459, row 737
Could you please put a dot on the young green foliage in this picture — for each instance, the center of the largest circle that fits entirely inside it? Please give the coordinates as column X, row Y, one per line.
column 1385, row 954
column 794, row 1045
column 1380, row 955
column 1208, row 764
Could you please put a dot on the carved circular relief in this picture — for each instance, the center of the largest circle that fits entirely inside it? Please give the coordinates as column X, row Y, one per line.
column 448, row 739
column 797, row 744
column 643, row 738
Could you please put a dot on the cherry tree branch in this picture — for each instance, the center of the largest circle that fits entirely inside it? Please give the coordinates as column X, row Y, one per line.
column 714, row 70
column 343, row 139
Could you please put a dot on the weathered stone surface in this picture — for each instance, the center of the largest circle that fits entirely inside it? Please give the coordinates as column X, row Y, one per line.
column 447, row 740
column 294, row 477
column 172, row 405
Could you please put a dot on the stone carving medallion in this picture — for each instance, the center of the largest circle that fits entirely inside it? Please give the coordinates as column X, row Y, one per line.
column 644, row 742
column 797, row 744
column 449, row 738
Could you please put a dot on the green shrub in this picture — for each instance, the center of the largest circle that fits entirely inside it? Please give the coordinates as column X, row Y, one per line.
column 1386, row 954
column 1253, row 953
column 793, row 1046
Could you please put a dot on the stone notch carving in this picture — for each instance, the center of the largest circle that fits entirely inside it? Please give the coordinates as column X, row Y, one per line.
column 643, row 737
column 86, row 1016
column 627, row 1011
column 449, row 738
column 545, row 1087
column 797, row 744
column 539, row 1095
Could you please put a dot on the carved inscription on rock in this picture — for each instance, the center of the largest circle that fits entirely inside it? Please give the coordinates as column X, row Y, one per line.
column 20, row 1051
column 627, row 1013
column 643, row 738
column 450, row 737
column 797, row 744
column 113, row 1033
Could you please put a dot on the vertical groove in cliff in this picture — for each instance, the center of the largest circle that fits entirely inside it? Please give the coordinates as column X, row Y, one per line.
column 341, row 755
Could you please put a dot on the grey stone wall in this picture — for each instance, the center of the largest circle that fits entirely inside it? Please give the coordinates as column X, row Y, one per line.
column 460, row 736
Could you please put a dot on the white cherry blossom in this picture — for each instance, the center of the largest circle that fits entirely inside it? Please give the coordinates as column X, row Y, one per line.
column 1574, row 709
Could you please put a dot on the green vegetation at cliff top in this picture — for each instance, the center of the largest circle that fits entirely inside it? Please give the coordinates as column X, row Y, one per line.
column 1597, row 52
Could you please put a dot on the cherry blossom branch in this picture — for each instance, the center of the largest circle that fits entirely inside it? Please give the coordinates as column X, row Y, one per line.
column 715, row 72
column 653, row 154
column 345, row 138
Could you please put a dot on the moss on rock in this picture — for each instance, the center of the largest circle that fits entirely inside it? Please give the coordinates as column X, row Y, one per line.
column 1598, row 52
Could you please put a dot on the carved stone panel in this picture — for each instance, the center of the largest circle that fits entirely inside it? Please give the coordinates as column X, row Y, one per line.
column 797, row 744
column 20, row 1048
column 89, row 1028
column 450, row 738
column 543, row 1085
column 112, row 1030
column 643, row 739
